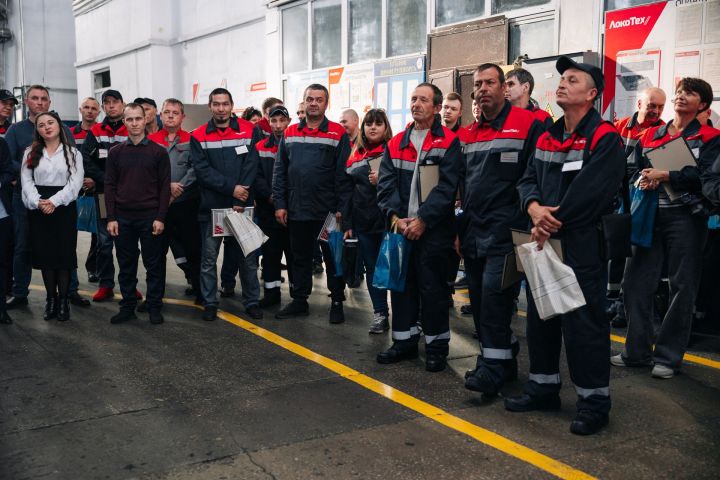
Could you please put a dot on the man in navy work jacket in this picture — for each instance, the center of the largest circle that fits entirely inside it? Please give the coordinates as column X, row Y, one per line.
column 570, row 182
column 309, row 181
column 219, row 151
column 428, row 224
column 496, row 151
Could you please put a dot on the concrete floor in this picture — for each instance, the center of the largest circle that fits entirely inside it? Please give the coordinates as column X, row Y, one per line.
column 196, row 400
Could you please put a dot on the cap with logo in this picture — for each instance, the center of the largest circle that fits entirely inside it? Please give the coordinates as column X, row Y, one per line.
column 279, row 110
column 7, row 95
column 111, row 93
column 563, row 63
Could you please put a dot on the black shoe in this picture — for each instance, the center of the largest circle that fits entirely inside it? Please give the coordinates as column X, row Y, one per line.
column 199, row 301
column 16, row 302
column 619, row 322
column 337, row 315
column 398, row 352
column 78, row 301
column 227, row 292
column 526, row 403
column 51, row 308
column 272, row 297
column 610, row 311
column 588, row 422
column 123, row 315
column 156, row 318
column 254, row 311
column 210, row 314
column 296, row 308
column 63, row 310
column 92, row 278
column 435, row 362
column 479, row 380
column 190, row 291
column 5, row 318
column 143, row 307
column 317, row 268
column 466, row 309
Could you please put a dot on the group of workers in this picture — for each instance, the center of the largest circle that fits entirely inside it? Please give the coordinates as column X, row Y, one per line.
column 513, row 168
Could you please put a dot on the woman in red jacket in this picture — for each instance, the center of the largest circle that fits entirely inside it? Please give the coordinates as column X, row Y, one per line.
column 365, row 221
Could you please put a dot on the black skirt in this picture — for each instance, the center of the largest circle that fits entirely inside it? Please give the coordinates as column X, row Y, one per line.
column 53, row 238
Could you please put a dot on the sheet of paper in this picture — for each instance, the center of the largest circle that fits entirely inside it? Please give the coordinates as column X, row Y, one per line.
column 687, row 24
column 429, row 178
column 397, row 95
column 381, row 96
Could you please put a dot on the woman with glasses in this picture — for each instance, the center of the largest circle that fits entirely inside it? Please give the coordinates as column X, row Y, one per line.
column 52, row 175
column 366, row 222
column 679, row 234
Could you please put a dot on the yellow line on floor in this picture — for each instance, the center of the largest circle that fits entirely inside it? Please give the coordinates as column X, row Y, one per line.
column 438, row 415
column 689, row 357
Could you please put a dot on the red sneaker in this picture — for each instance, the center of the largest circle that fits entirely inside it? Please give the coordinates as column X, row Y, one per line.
column 138, row 294
column 103, row 293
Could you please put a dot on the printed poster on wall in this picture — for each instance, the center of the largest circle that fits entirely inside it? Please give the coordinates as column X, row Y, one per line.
column 655, row 45
column 394, row 82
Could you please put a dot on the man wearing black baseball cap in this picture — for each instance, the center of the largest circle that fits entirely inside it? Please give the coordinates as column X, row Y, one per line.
column 278, row 242
column 151, row 120
column 7, row 104
column 569, row 184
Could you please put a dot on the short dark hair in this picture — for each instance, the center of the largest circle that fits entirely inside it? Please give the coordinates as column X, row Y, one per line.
column 494, row 66
column 270, row 102
column 437, row 93
column 174, row 101
column 37, row 87
column 133, row 105
column 220, row 91
column 317, row 86
column 523, row 76
column 699, row 86
column 454, row 96
column 250, row 112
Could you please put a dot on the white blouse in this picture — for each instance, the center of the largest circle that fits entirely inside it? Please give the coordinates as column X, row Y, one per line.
column 52, row 171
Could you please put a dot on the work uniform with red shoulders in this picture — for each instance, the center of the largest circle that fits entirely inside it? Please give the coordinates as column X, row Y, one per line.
column 425, row 299
column 182, row 230
column 495, row 155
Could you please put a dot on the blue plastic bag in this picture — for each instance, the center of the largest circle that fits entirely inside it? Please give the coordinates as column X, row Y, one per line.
column 643, row 207
column 714, row 222
column 86, row 214
column 392, row 263
column 336, row 243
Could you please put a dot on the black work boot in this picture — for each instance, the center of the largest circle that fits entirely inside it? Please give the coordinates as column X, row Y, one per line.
column 337, row 315
column 435, row 361
column 51, row 308
column 123, row 315
column 480, row 380
column 588, row 422
column 63, row 309
column 296, row 308
column 271, row 297
column 397, row 352
column 528, row 403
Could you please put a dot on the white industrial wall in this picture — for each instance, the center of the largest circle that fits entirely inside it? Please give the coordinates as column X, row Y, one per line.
column 159, row 49
column 43, row 51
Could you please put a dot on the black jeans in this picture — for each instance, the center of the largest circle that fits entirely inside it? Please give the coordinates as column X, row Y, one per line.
column 303, row 237
column 153, row 248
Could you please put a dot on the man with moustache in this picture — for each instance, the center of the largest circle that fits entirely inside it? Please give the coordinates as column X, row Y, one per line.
column 429, row 225
column 496, row 151
column 219, row 154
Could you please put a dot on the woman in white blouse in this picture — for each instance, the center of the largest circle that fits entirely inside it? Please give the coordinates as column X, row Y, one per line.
column 52, row 175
